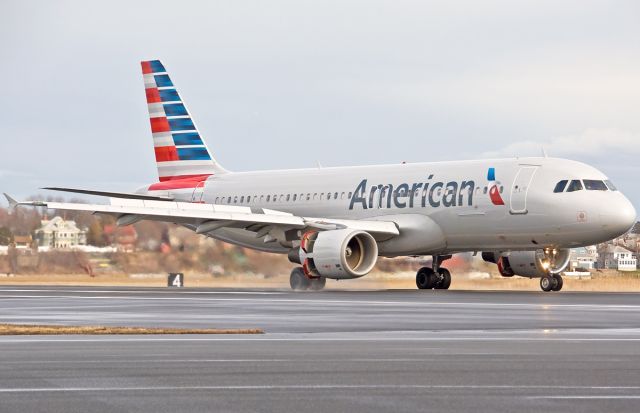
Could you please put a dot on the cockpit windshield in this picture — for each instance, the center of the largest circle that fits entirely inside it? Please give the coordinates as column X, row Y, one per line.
column 560, row 186
column 588, row 184
column 575, row 185
column 594, row 185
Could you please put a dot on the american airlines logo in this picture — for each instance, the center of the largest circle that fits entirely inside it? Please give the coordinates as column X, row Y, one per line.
column 420, row 194
column 434, row 194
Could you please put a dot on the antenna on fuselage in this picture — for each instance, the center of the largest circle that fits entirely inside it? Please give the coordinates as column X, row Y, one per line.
column 544, row 152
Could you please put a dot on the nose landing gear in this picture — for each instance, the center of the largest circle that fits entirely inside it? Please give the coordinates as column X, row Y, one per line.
column 437, row 278
column 551, row 282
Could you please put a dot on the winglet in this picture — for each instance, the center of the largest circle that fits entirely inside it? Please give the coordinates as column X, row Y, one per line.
column 12, row 202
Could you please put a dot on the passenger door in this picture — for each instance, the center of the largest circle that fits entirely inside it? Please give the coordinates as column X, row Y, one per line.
column 198, row 192
column 521, row 183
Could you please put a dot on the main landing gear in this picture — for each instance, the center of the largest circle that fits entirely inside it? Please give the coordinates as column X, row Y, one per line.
column 551, row 282
column 437, row 278
column 300, row 282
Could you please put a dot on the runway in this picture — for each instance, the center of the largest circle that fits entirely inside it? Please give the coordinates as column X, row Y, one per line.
column 356, row 351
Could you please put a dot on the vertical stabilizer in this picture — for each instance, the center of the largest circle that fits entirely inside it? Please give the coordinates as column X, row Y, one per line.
column 181, row 153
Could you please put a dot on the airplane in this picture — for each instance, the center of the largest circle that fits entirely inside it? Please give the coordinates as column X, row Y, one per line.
column 522, row 214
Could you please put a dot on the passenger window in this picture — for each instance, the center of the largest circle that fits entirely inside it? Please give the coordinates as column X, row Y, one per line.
column 216, row 201
column 610, row 185
column 328, row 196
column 229, row 200
column 288, row 197
column 560, row 186
column 342, row 195
column 501, row 188
column 295, row 196
column 242, row 199
column 335, row 196
column 235, row 199
column 268, row 198
column 248, row 199
column 575, row 185
column 350, row 194
column 484, row 191
column 308, row 196
column 594, row 185
column 281, row 198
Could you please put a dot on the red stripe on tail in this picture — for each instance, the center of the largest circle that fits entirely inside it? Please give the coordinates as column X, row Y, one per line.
column 146, row 67
column 153, row 96
column 159, row 125
column 191, row 181
column 166, row 153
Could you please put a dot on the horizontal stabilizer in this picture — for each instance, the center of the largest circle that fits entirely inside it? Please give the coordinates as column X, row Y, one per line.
column 125, row 195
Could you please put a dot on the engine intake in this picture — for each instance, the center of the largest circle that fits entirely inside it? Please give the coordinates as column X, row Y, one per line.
column 337, row 254
column 532, row 264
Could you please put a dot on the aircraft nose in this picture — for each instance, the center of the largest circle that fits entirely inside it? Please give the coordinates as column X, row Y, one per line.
column 620, row 217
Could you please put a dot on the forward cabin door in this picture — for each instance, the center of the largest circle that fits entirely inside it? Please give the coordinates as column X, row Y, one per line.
column 521, row 183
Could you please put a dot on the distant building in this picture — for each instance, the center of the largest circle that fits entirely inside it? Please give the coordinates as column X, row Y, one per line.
column 585, row 257
column 615, row 257
column 23, row 242
column 123, row 238
column 60, row 233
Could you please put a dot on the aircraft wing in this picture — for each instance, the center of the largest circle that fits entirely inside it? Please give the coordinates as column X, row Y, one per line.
column 208, row 217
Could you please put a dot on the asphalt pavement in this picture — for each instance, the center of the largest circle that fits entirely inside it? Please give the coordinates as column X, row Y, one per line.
column 356, row 351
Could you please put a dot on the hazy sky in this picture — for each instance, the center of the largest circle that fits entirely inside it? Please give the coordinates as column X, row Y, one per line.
column 283, row 84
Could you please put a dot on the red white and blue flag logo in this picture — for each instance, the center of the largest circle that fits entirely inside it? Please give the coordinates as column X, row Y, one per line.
column 494, row 188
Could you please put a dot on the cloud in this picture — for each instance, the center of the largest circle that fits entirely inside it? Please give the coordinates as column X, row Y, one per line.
column 591, row 142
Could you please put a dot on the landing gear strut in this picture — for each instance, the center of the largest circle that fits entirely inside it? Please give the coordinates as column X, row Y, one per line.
column 299, row 281
column 438, row 278
column 551, row 282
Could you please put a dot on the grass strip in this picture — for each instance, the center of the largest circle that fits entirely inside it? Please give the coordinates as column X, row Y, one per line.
column 26, row 329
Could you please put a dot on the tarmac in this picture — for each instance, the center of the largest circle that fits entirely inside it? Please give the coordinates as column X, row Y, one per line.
column 355, row 351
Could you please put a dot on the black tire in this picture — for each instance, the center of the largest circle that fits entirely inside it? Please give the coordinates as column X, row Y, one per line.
column 318, row 284
column 559, row 282
column 445, row 282
column 547, row 283
column 298, row 280
column 425, row 278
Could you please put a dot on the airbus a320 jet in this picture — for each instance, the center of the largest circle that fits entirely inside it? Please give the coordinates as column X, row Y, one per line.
column 523, row 214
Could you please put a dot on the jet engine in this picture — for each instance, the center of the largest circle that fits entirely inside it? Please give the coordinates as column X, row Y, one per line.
column 532, row 264
column 337, row 254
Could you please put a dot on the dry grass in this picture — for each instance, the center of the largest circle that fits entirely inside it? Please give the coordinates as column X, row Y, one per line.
column 25, row 329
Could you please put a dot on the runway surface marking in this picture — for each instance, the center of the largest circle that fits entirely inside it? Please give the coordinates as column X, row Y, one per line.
column 138, row 291
column 324, row 387
column 349, row 302
column 6, row 340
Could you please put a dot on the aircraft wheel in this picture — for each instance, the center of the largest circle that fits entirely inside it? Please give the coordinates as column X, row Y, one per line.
column 547, row 283
column 445, row 282
column 318, row 284
column 559, row 282
column 298, row 280
column 425, row 278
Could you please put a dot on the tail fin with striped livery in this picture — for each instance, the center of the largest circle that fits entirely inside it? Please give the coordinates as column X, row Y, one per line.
column 181, row 154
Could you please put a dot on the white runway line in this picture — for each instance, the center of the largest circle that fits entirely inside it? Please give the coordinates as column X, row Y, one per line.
column 354, row 302
column 587, row 397
column 159, row 290
column 326, row 387
column 249, row 337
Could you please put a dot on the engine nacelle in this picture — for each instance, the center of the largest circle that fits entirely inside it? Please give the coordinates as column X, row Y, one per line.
column 337, row 254
column 532, row 264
